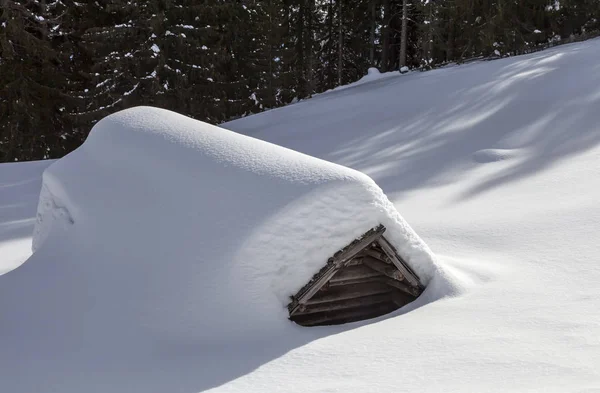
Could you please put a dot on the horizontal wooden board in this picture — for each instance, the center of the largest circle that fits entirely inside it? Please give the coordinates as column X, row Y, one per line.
column 337, row 293
column 347, row 315
column 349, row 303
column 402, row 286
column 383, row 268
column 354, row 272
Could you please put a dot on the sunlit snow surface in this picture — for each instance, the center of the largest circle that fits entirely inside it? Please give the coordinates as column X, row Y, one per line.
column 496, row 166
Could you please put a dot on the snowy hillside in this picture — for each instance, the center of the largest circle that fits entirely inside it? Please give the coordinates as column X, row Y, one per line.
column 495, row 165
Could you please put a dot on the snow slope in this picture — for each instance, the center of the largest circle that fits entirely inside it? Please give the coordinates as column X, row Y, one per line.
column 497, row 167
column 19, row 193
column 161, row 228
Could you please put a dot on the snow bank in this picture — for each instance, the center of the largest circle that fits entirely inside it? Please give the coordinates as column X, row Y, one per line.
column 373, row 74
column 182, row 228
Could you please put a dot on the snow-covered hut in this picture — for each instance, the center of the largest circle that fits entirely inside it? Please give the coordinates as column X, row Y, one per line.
column 172, row 226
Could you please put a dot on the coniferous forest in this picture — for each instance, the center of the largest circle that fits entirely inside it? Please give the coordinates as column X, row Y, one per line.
column 65, row 64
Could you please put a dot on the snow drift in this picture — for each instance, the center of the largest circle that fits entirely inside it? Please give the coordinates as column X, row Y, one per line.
column 495, row 164
column 174, row 227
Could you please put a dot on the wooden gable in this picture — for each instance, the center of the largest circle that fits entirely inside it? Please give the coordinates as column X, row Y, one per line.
column 364, row 280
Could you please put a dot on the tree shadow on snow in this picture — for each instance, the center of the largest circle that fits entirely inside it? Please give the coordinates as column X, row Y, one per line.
column 536, row 110
column 427, row 129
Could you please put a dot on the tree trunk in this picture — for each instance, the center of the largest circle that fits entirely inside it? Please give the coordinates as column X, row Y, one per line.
column 300, row 71
column 385, row 48
column 429, row 39
column 404, row 32
column 329, row 76
column 340, row 43
column 310, row 65
column 372, row 38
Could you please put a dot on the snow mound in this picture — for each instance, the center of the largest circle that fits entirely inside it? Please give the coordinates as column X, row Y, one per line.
column 373, row 72
column 485, row 156
column 168, row 226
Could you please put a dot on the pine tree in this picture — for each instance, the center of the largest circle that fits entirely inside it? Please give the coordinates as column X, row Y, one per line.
column 33, row 83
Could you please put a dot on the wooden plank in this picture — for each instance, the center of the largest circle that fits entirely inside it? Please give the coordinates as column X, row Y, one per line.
column 337, row 293
column 353, row 273
column 349, row 303
column 358, row 246
column 375, row 254
column 402, row 299
column 356, row 281
column 333, row 265
column 383, row 268
column 346, row 316
column 314, row 288
column 402, row 286
column 410, row 276
column 354, row 262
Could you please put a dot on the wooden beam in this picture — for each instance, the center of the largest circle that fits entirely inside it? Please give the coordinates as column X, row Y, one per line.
column 333, row 265
column 354, row 262
column 410, row 276
column 353, row 273
column 355, row 281
column 337, row 293
column 402, row 286
column 376, row 254
column 383, row 268
column 349, row 303
column 345, row 316
column 350, row 251
column 314, row 288
column 401, row 299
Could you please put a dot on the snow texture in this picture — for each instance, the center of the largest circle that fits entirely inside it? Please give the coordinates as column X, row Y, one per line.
column 495, row 164
column 199, row 234
column 373, row 74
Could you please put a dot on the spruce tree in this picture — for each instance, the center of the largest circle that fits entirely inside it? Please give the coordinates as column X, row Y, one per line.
column 34, row 88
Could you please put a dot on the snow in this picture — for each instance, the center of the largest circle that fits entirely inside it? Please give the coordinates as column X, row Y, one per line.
column 19, row 190
column 494, row 164
column 493, row 155
column 373, row 74
column 188, row 232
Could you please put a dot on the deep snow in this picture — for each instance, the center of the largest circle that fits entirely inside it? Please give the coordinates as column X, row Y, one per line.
column 199, row 228
column 495, row 165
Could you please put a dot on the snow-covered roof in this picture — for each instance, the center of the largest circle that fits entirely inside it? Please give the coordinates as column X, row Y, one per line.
column 200, row 228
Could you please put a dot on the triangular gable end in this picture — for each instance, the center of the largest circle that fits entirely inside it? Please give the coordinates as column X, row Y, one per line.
column 364, row 280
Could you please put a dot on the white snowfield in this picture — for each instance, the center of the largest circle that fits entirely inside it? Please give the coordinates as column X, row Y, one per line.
column 496, row 166
column 162, row 230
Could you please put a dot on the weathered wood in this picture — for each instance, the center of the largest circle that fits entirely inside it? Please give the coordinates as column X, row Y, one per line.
column 337, row 293
column 346, row 316
column 349, row 303
column 357, row 281
column 353, row 273
column 410, row 276
column 333, row 265
column 354, row 262
column 383, row 268
column 375, row 254
column 401, row 299
column 356, row 247
column 314, row 288
column 402, row 286
column 364, row 280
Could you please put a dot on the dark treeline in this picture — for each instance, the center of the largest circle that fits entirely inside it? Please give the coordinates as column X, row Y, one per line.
column 66, row 64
